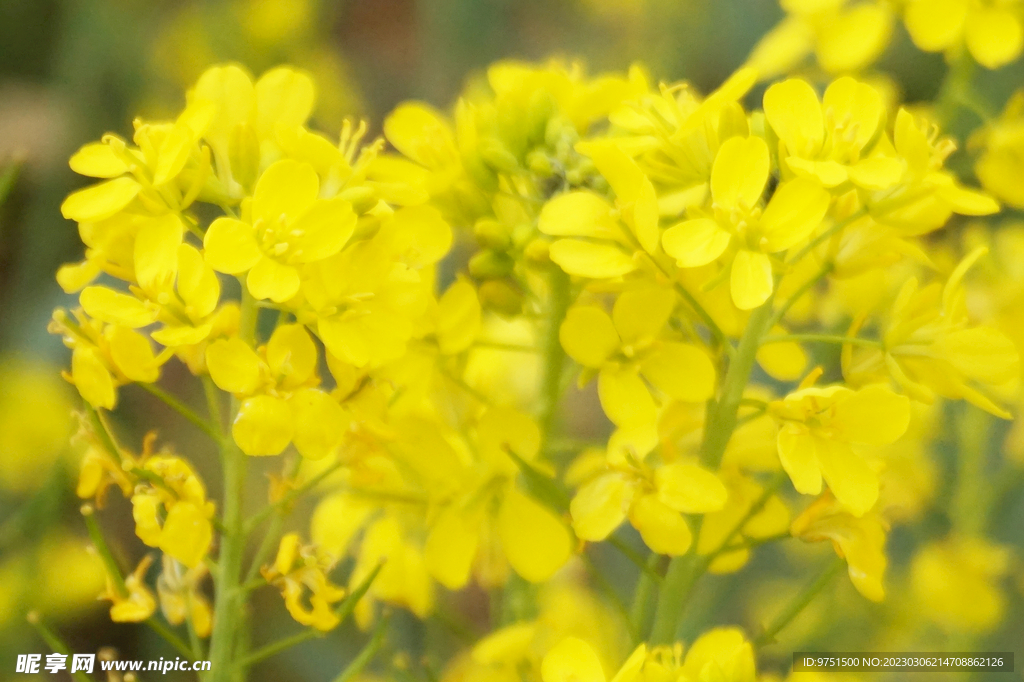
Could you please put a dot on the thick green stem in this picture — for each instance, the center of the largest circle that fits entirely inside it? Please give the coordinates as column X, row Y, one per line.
column 684, row 571
column 228, row 602
column 722, row 420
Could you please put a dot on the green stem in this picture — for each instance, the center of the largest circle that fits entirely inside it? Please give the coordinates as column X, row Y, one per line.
column 799, row 603
column 280, row 645
column 722, row 419
column 254, row 521
column 608, row 588
column 229, row 596
column 823, row 338
column 827, row 234
column 55, row 643
column 646, row 588
column 182, row 409
column 364, row 657
column 213, row 403
column 799, row 293
column 554, row 356
column 684, row 571
column 972, row 499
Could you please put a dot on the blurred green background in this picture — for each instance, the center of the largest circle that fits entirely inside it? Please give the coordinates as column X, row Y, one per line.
column 71, row 70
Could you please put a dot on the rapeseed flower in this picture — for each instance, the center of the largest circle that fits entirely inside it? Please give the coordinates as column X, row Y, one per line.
column 284, row 226
column 860, row 540
column 991, row 30
column 738, row 226
column 632, row 343
column 929, row 347
column 845, row 36
column 822, row 430
column 280, row 401
column 299, row 569
column 171, row 510
column 956, row 581
column 139, row 603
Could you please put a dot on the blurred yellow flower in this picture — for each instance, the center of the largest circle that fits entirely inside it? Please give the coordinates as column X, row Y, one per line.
column 956, row 582
column 993, row 30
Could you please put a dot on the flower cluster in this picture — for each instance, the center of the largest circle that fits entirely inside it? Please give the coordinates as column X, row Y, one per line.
column 399, row 320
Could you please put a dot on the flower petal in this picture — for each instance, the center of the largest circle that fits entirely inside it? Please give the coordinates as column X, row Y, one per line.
column 536, row 542
column 664, row 530
column 849, row 477
column 794, row 113
column 230, row 246
column 799, row 459
column 577, row 214
column 680, row 370
column 585, row 259
column 740, row 172
column 695, row 242
column 689, row 489
column 286, row 189
column 588, row 335
column 599, row 507
column 796, row 208
column 994, row 35
column 263, row 426
column 625, row 398
column 100, row 201
column 273, row 280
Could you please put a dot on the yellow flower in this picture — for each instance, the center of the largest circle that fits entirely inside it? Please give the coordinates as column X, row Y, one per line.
column 283, row 227
column 35, row 423
column 299, row 569
column 487, row 513
column 822, row 432
column 139, row 604
column 181, row 598
column 249, row 123
column 993, row 30
column 674, row 135
column 736, row 225
column 956, row 582
column 845, row 36
column 105, row 356
column 926, row 195
column 173, row 515
column 366, row 297
column 858, row 540
column 630, row 344
column 828, row 140
column 653, row 497
column 1003, row 157
column 165, row 172
column 929, row 346
column 280, row 404
column 595, row 238
column 718, row 655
